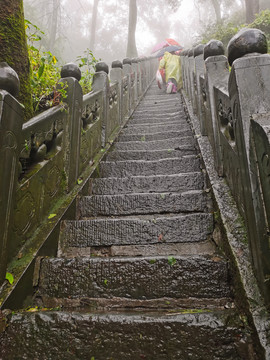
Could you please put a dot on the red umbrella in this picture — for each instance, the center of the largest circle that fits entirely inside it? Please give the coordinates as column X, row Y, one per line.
column 164, row 44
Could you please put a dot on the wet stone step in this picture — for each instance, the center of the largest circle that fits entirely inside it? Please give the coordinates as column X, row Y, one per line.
column 189, row 228
column 154, row 136
column 148, row 155
column 138, row 278
column 161, row 118
column 81, row 335
column 147, row 184
column 185, row 164
column 172, row 143
column 154, row 128
column 131, row 204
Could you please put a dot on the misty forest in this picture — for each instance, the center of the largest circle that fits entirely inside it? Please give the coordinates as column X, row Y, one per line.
column 87, row 31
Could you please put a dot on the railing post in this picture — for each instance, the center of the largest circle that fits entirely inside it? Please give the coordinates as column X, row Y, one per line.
column 199, row 71
column 11, row 118
column 101, row 83
column 216, row 73
column 249, row 90
column 127, row 68
column 70, row 77
column 116, row 75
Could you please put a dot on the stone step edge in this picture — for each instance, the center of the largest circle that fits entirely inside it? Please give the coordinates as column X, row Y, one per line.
column 161, row 305
column 199, row 247
column 180, row 139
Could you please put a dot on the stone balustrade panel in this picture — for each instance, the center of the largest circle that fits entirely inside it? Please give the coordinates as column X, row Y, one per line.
column 91, row 128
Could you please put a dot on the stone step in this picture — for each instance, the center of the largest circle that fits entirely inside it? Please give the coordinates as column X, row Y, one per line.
column 148, row 155
column 193, row 334
column 154, row 127
column 188, row 228
column 185, row 164
column 143, row 204
column 134, row 277
column 147, row 184
column 166, row 144
column 154, row 136
column 161, row 118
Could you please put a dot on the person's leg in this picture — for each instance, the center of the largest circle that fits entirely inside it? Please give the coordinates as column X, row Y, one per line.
column 171, row 86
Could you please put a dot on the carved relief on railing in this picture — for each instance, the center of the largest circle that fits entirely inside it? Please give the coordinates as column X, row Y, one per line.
column 226, row 120
column 113, row 97
column 91, row 128
column 41, row 136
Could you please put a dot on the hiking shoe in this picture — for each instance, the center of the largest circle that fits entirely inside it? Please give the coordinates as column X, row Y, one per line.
column 169, row 88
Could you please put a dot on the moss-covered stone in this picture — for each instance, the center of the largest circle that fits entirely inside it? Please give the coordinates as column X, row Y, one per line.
column 13, row 48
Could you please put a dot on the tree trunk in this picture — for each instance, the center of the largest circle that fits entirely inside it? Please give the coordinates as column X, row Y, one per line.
column 131, row 45
column 93, row 26
column 13, row 48
column 53, row 24
column 252, row 8
column 216, row 6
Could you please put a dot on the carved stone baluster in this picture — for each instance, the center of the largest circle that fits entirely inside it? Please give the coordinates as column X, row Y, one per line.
column 71, row 76
column 101, row 83
column 127, row 68
column 116, row 75
column 11, row 117
column 216, row 74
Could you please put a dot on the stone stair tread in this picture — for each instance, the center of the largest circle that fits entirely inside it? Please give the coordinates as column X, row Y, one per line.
column 167, row 166
column 152, row 128
column 134, row 277
column 167, row 249
column 150, row 155
column 143, row 203
column 146, row 184
column 128, row 336
column 154, row 136
column 184, row 228
column 155, row 145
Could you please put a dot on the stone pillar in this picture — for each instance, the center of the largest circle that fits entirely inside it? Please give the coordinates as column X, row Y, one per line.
column 249, row 91
column 116, row 75
column 199, row 71
column 11, row 118
column 135, row 71
column 127, row 68
column 216, row 74
column 101, row 83
column 70, row 77
column 191, row 76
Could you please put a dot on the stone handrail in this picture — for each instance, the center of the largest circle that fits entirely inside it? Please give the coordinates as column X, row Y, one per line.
column 233, row 107
column 45, row 159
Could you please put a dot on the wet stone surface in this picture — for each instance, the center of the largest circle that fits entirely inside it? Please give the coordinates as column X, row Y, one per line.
column 139, row 278
column 63, row 335
column 113, row 205
column 121, row 231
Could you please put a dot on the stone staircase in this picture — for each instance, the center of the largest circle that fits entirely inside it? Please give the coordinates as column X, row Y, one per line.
column 138, row 275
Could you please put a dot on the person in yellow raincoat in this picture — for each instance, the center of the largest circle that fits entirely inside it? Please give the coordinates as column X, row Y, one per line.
column 171, row 64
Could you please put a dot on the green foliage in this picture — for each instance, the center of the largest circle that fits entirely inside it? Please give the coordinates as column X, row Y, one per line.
column 9, row 278
column 262, row 22
column 171, row 260
column 87, row 64
column 44, row 71
column 226, row 30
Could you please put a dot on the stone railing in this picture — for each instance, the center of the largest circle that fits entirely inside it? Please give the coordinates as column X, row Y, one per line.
column 231, row 98
column 43, row 160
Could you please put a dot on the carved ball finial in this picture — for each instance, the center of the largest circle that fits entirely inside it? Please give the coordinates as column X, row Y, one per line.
column 134, row 60
column 117, row 64
column 9, row 79
column 198, row 50
column 71, row 70
column 127, row 61
column 246, row 41
column 102, row 66
column 191, row 52
column 213, row 48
